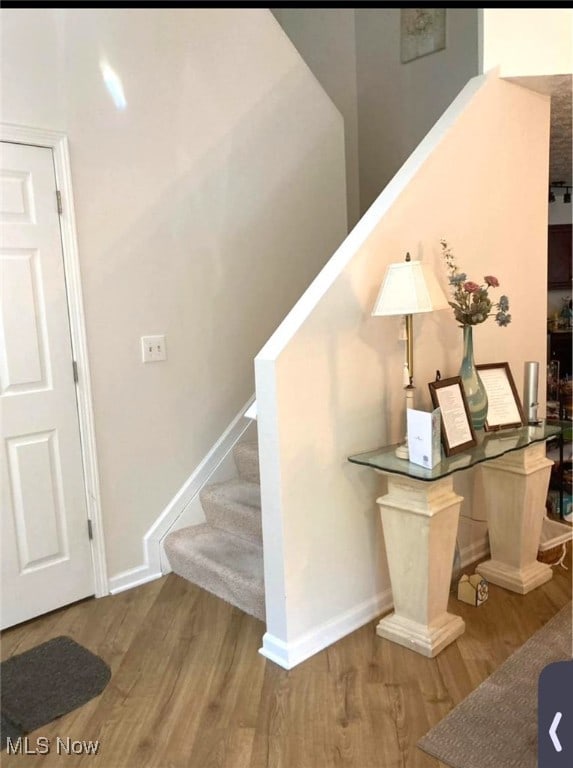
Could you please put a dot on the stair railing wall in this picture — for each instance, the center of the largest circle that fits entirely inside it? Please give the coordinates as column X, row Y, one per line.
column 328, row 382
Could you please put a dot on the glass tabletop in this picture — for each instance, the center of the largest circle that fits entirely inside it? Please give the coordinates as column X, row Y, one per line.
column 490, row 446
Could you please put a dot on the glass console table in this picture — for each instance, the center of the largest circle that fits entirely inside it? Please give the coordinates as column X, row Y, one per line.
column 420, row 514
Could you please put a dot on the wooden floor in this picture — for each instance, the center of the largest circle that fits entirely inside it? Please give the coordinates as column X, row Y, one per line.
column 189, row 687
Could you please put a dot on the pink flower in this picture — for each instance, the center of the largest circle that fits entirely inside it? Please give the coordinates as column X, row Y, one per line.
column 492, row 281
column 470, row 287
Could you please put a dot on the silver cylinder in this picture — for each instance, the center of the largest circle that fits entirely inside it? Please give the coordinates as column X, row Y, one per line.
column 530, row 389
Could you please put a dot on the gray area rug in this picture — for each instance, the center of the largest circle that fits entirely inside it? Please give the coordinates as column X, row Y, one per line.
column 496, row 725
column 47, row 682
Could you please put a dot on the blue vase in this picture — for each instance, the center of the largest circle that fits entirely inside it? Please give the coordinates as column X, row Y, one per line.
column 473, row 385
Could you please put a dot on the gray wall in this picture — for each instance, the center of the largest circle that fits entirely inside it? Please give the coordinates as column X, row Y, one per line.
column 326, row 40
column 399, row 103
column 388, row 107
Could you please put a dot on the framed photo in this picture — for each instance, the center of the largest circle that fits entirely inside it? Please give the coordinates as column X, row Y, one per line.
column 504, row 410
column 422, row 31
column 457, row 431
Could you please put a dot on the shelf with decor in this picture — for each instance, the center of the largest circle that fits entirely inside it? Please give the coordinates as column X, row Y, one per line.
column 560, row 493
column 560, row 411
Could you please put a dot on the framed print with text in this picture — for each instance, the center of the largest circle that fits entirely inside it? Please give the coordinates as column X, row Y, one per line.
column 457, row 431
column 504, row 410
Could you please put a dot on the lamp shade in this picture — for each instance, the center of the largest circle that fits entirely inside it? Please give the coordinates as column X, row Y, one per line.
column 409, row 288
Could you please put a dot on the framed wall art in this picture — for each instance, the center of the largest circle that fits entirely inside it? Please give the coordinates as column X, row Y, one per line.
column 422, row 31
column 504, row 409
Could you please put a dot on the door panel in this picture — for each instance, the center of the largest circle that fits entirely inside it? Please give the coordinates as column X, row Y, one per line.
column 24, row 334
column 46, row 553
column 36, row 482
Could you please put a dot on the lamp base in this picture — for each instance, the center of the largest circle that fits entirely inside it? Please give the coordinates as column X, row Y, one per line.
column 402, row 451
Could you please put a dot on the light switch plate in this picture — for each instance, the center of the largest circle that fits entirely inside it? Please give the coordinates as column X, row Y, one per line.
column 153, row 349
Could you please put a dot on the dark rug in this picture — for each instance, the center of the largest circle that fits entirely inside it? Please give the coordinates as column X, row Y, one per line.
column 496, row 725
column 47, row 682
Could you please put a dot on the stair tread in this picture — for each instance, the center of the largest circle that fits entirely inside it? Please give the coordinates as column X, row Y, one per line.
column 247, row 446
column 227, row 566
column 218, row 546
column 235, row 492
column 246, row 455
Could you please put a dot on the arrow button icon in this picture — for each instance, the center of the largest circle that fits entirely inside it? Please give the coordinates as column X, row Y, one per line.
column 553, row 731
column 555, row 715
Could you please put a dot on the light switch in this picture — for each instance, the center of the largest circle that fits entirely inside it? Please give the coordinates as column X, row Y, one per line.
column 153, row 349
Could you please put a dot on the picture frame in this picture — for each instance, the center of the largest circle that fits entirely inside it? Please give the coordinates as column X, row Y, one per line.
column 504, row 408
column 457, row 430
column 422, row 31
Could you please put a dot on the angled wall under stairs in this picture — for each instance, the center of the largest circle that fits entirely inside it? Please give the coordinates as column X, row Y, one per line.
column 224, row 555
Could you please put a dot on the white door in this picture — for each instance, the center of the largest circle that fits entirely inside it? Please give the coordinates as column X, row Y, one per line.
column 46, row 551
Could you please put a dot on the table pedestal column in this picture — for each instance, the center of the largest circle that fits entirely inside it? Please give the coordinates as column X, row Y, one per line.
column 420, row 522
column 515, row 492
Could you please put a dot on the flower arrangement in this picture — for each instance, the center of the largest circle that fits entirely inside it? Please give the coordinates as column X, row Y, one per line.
column 471, row 302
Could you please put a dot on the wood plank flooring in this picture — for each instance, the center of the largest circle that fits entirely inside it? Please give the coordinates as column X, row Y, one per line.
column 190, row 690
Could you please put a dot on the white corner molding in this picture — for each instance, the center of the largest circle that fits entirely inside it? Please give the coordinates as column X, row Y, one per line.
column 134, row 577
column 154, row 564
column 58, row 143
column 288, row 655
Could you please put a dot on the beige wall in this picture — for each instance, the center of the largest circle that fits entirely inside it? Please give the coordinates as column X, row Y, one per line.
column 525, row 41
column 329, row 380
column 204, row 208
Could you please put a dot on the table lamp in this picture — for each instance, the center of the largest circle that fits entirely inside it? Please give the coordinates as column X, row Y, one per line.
column 409, row 288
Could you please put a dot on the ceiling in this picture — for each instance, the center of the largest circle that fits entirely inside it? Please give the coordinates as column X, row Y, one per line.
column 559, row 87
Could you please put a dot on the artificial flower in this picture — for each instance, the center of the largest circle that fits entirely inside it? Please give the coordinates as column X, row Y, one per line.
column 470, row 301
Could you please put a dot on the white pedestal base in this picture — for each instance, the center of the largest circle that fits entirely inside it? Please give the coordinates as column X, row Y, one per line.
column 521, row 580
column 420, row 522
column 428, row 640
column 515, row 492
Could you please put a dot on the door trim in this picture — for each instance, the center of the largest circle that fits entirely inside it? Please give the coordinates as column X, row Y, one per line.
column 58, row 143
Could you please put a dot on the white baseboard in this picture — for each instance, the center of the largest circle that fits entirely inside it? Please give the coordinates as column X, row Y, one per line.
column 135, row 577
column 184, row 508
column 288, row 655
column 193, row 512
column 218, row 466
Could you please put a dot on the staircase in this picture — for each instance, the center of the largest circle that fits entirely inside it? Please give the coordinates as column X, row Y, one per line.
column 224, row 555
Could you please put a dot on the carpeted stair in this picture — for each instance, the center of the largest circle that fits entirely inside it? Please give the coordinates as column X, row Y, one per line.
column 224, row 555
